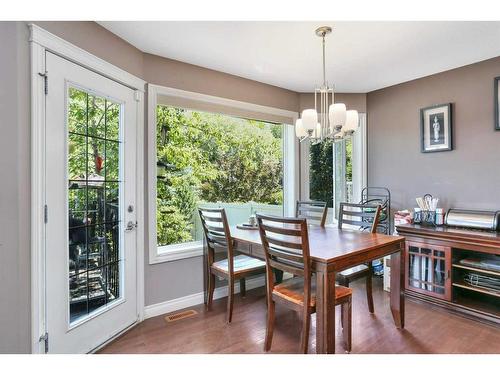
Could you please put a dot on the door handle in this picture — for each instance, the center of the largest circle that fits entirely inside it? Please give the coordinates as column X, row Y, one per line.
column 131, row 226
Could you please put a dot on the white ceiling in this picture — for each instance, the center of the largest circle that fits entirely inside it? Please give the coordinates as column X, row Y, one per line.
column 360, row 56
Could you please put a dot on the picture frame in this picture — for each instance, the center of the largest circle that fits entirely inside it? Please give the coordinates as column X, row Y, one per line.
column 496, row 95
column 436, row 128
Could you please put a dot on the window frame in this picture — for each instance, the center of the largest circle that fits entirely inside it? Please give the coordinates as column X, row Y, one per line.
column 160, row 254
column 360, row 176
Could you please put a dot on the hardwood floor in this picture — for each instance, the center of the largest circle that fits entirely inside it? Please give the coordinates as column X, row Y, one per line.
column 428, row 329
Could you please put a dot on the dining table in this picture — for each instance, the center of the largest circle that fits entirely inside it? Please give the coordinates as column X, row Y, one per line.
column 333, row 250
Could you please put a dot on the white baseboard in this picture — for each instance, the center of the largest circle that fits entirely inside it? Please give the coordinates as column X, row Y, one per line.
column 197, row 298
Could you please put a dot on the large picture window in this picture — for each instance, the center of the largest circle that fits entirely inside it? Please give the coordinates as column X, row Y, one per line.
column 213, row 160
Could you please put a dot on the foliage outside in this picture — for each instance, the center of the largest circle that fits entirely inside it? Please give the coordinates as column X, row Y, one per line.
column 321, row 172
column 205, row 157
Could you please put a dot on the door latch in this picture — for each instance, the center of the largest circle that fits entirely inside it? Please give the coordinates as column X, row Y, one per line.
column 131, row 226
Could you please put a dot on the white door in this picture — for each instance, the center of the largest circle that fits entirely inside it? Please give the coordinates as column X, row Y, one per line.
column 90, row 196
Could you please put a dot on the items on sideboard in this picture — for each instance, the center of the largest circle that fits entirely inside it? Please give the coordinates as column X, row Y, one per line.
column 425, row 213
column 436, row 128
column 485, row 220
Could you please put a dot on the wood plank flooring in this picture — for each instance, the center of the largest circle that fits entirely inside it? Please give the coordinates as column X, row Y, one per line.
column 428, row 329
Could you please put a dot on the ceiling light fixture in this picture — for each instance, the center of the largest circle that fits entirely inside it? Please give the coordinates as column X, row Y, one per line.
column 328, row 120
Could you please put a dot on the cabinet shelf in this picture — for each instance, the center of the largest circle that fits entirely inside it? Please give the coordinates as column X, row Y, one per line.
column 489, row 272
column 476, row 289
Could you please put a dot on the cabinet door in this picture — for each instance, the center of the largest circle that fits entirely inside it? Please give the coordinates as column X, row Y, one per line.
column 428, row 269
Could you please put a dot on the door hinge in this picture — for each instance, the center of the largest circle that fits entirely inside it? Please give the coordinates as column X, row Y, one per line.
column 137, row 95
column 45, row 214
column 45, row 339
column 45, row 81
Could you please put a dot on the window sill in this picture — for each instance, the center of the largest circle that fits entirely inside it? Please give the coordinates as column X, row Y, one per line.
column 176, row 252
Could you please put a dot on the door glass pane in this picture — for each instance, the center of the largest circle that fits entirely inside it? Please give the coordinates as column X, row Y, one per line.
column 94, row 205
column 439, row 272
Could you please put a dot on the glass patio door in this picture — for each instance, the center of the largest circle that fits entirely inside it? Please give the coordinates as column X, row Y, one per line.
column 90, row 196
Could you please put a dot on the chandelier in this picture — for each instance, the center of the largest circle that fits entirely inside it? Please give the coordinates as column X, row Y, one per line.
column 328, row 120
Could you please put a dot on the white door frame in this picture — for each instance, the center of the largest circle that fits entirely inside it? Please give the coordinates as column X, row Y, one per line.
column 40, row 42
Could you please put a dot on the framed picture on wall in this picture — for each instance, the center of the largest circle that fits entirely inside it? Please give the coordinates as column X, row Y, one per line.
column 497, row 104
column 436, row 128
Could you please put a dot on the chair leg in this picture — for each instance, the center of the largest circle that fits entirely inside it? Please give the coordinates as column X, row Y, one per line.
column 306, row 324
column 230, row 298
column 211, row 288
column 346, row 313
column 269, row 325
column 243, row 288
column 369, row 294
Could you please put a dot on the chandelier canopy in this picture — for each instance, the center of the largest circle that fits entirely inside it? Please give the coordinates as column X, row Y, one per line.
column 328, row 120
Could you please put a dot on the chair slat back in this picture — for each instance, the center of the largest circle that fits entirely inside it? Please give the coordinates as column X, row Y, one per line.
column 314, row 211
column 286, row 248
column 364, row 216
column 216, row 231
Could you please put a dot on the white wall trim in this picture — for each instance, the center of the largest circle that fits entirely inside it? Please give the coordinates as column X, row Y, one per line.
column 290, row 181
column 37, row 197
column 61, row 47
column 42, row 41
column 176, row 252
column 170, row 91
column 291, row 167
column 140, row 207
column 196, row 298
column 359, row 158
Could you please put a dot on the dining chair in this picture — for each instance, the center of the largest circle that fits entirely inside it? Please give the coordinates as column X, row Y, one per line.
column 232, row 268
column 314, row 211
column 286, row 248
column 365, row 217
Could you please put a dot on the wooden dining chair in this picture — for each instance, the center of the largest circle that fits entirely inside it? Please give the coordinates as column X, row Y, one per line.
column 314, row 211
column 364, row 217
column 286, row 248
column 232, row 268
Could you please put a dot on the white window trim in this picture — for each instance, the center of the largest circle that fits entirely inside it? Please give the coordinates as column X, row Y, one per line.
column 41, row 41
column 290, row 163
column 360, row 156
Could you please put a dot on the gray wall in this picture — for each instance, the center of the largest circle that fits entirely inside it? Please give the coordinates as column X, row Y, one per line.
column 468, row 176
column 14, row 191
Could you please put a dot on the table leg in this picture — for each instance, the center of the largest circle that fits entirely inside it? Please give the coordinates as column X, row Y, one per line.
column 325, row 312
column 398, row 288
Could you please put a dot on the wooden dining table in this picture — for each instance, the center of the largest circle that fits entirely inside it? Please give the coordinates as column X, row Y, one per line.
column 333, row 250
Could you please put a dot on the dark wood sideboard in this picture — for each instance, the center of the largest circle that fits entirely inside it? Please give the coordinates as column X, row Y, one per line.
column 434, row 272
